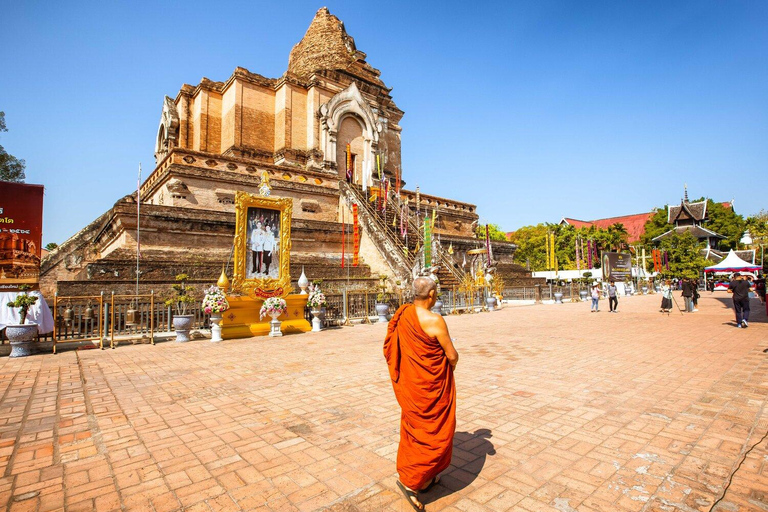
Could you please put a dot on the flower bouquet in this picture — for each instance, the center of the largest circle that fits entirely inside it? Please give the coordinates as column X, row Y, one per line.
column 274, row 307
column 316, row 299
column 214, row 301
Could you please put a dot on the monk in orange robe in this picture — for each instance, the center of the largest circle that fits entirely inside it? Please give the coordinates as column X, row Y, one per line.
column 421, row 360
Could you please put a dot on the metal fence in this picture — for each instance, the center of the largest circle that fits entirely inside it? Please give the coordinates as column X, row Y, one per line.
column 87, row 318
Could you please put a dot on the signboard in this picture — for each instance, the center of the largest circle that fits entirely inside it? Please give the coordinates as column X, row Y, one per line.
column 617, row 266
column 21, row 228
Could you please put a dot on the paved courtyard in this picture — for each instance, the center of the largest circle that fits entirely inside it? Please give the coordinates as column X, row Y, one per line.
column 559, row 409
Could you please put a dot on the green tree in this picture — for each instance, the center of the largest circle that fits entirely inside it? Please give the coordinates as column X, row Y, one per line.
column 617, row 236
column 655, row 226
column 51, row 246
column 531, row 246
column 724, row 221
column 757, row 225
column 685, row 259
column 11, row 168
column 494, row 232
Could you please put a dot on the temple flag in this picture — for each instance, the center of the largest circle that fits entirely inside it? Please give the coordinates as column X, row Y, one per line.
column 138, row 215
column 355, row 237
column 589, row 253
column 594, row 250
column 418, row 202
column 343, row 233
column 553, row 260
column 378, row 165
column 404, row 221
column 349, row 164
column 427, row 243
column 488, row 243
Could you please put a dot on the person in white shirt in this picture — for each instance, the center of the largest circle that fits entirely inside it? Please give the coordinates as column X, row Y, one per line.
column 257, row 248
column 268, row 247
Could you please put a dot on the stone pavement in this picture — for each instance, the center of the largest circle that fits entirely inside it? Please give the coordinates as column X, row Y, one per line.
column 559, row 409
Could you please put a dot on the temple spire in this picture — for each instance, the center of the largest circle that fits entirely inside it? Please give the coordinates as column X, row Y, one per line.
column 685, row 198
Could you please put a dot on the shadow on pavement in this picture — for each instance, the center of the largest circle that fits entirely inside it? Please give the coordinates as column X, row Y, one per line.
column 756, row 310
column 469, row 453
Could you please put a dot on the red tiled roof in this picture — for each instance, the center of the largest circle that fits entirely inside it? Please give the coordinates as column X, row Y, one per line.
column 634, row 224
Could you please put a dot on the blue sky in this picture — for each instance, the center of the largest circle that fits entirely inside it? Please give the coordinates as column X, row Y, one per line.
column 531, row 110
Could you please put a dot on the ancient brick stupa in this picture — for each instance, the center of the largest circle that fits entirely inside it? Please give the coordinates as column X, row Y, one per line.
column 216, row 138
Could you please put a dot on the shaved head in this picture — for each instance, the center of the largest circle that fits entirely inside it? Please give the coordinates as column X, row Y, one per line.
column 422, row 286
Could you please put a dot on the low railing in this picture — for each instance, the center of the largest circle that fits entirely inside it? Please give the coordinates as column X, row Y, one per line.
column 519, row 293
column 343, row 308
column 91, row 319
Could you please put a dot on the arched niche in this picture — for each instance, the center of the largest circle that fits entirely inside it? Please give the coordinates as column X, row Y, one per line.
column 350, row 105
column 351, row 131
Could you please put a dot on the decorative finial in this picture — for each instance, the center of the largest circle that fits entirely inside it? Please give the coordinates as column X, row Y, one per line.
column 223, row 282
column 303, row 282
column 264, row 189
column 686, row 192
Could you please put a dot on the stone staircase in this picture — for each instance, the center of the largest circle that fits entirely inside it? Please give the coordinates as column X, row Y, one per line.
column 405, row 253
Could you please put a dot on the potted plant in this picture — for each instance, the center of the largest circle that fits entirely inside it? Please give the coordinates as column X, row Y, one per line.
column 181, row 299
column 274, row 307
column 214, row 304
column 316, row 302
column 316, row 283
column 22, row 335
column 382, row 298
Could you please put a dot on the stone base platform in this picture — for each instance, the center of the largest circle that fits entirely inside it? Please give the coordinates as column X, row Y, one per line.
column 241, row 320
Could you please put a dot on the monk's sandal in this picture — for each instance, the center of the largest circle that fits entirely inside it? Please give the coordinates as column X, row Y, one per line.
column 410, row 496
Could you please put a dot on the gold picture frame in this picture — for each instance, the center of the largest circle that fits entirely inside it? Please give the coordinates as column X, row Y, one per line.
column 259, row 271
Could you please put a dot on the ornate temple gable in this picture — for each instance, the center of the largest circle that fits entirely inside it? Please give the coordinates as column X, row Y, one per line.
column 326, row 45
column 168, row 132
column 688, row 213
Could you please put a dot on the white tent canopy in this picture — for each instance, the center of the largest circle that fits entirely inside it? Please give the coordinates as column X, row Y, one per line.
column 733, row 263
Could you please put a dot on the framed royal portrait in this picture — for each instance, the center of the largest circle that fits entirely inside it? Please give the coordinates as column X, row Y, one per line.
column 262, row 245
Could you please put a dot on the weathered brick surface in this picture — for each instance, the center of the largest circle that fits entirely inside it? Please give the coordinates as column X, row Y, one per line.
column 559, row 409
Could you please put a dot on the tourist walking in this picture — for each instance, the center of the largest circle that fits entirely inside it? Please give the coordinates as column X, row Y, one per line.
column 613, row 299
column 739, row 288
column 595, row 297
column 688, row 295
column 666, row 296
column 421, row 360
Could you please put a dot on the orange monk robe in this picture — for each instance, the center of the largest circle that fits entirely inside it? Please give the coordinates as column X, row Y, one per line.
column 423, row 381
